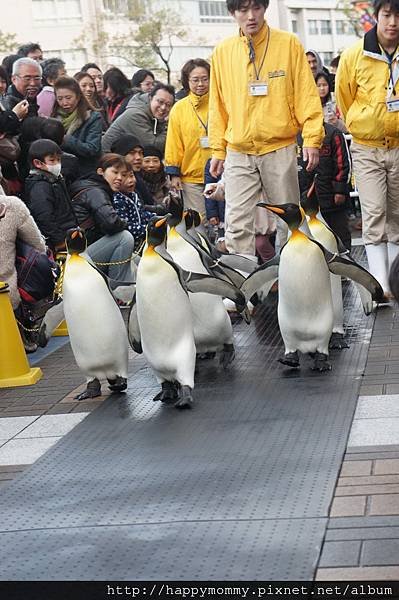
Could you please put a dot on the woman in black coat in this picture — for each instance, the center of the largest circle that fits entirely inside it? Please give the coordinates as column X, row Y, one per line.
column 107, row 235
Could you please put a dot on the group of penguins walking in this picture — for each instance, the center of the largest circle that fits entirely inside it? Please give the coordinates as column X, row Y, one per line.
column 177, row 310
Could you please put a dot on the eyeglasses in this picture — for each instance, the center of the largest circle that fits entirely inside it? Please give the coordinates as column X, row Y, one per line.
column 198, row 80
column 28, row 78
column 162, row 103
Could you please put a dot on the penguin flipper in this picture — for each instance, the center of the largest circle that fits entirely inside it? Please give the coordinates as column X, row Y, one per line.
column 237, row 262
column 352, row 270
column 263, row 276
column 134, row 334
column 198, row 282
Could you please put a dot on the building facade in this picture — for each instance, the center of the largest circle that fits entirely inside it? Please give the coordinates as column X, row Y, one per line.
column 72, row 29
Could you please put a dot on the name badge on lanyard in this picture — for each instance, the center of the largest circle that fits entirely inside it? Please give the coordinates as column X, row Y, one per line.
column 204, row 141
column 258, row 88
column 393, row 104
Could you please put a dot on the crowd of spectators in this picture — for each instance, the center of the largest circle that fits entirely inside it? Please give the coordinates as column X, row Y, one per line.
column 100, row 151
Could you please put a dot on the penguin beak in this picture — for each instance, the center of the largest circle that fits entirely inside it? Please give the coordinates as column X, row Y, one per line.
column 160, row 222
column 311, row 189
column 275, row 209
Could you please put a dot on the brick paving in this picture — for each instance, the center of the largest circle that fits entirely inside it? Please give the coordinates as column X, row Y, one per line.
column 362, row 538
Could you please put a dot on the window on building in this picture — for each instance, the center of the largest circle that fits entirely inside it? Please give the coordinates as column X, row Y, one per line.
column 340, row 27
column 74, row 59
column 294, row 25
column 325, row 27
column 313, row 27
column 56, row 10
column 327, row 57
column 213, row 11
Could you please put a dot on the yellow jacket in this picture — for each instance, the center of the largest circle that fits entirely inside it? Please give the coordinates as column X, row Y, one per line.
column 262, row 124
column 361, row 89
column 188, row 123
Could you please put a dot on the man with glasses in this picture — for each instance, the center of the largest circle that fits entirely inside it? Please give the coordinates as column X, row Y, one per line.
column 145, row 118
column 26, row 84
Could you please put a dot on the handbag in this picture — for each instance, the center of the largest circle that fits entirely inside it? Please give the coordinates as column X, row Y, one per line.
column 9, row 149
column 37, row 273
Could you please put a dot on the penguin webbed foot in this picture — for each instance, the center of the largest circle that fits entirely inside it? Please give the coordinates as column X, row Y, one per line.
column 42, row 338
column 93, row 389
column 227, row 355
column 337, row 341
column 119, row 384
column 291, row 359
column 320, row 362
column 169, row 393
column 185, row 398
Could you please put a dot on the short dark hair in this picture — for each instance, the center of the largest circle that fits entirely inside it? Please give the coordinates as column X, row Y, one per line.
column 71, row 84
column 26, row 49
column 52, row 129
column 140, row 75
column 4, row 75
column 162, row 86
column 378, row 4
column 111, row 159
column 88, row 66
column 190, row 66
column 42, row 148
column 335, row 62
column 117, row 81
column 8, row 62
column 233, row 5
column 51, row 67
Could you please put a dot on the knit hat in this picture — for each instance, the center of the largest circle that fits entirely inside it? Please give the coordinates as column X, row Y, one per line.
column 152, row 151
column 125, row 144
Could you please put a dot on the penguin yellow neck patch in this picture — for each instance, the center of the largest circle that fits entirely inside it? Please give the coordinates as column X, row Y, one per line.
column 298, row 236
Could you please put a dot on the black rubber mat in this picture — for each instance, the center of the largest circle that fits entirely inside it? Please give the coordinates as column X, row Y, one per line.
column 237, row 488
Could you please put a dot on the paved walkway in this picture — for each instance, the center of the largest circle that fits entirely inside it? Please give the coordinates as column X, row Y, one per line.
column 360, row 540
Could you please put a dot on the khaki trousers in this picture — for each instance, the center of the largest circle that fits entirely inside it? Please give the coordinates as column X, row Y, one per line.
column 377, row 178
column 248, row 179
column 194, row 198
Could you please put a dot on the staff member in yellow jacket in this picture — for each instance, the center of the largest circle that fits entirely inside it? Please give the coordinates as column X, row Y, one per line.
column 367, row 91
column 262, row 94
column 187, row 146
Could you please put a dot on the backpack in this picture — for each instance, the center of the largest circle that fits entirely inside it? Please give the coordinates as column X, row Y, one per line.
column 37, row 273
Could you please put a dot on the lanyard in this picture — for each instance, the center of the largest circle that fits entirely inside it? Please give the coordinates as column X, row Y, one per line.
column 391, row 75
column 204, row 125
column 252, row 54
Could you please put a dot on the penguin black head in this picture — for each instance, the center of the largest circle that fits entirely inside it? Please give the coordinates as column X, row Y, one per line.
column 292, row 214
column 188, row 218
column 156, row 231
column 75, row 241
column 174, row 205
column 310, row 202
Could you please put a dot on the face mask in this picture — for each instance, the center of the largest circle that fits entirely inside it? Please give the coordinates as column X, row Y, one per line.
column 54, row 169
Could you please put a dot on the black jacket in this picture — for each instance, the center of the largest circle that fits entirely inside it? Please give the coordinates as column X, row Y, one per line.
column 92, row 201
column 9, row 122
column 13, row 97
column 49, row 203
column 333, row 171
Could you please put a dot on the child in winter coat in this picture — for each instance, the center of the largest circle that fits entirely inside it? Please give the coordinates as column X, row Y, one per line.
column 130, row 208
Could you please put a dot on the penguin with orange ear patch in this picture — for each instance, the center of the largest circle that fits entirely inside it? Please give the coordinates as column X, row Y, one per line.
column 96, row 327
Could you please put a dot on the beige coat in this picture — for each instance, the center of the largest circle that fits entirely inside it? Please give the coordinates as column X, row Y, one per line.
column 17, row 222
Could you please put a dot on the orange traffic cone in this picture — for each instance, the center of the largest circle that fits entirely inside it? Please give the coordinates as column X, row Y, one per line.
column 14, row 367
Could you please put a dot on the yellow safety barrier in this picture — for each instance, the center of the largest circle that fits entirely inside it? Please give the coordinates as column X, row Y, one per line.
column 14, row 367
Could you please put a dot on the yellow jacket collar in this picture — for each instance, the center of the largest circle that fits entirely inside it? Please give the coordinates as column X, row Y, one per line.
column 198, row 101
column 259, row 38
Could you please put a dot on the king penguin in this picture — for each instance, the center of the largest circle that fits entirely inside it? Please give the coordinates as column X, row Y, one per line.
column 96, row 327
column 165, row 326
column 213, row 331
column 305, row 308
column 327, row 238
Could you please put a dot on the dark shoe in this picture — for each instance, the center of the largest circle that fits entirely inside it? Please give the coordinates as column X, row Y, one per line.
column 291, row 359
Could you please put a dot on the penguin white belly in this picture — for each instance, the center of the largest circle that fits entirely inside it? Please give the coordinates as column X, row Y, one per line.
column 326, row 238
column 305, row 311
column 211, row 323
column 96, row 328
column 165, row 320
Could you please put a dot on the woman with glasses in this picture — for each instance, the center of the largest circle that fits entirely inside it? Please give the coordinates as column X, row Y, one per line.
column 187, row 148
